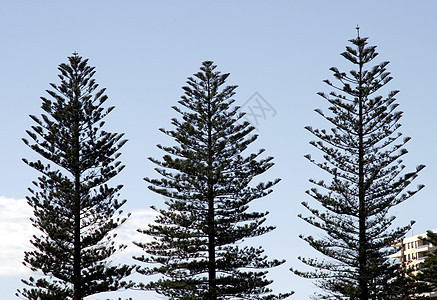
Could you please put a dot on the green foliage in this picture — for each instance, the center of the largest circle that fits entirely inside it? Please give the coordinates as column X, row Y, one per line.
column 362, row 154
column 74, row 208
column 197, row 240
column 428, row 268
column 404, row 284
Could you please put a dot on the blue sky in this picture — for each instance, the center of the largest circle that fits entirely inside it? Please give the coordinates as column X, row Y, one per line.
column 144, row 51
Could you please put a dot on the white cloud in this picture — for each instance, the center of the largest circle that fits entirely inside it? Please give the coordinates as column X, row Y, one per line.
column 128, row 233
column 16, row 231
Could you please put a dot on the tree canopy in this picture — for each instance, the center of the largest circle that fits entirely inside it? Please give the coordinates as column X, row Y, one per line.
column 198, row 244
column 362, row 154
column 75, row 209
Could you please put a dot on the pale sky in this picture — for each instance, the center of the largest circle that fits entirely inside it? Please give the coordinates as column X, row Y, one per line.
column 143, row 52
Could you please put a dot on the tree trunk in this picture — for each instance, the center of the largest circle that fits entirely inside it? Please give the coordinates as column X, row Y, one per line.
column 77, row 276
column 362, row 215
column 212, row 294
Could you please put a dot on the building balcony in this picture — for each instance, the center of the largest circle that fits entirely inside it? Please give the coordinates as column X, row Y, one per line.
column 428, row 247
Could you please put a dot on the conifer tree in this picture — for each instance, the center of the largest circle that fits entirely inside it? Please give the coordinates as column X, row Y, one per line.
column 197, row 239
column 362, row 154
column 404, row 284
column 74, row 207
column 428, row 268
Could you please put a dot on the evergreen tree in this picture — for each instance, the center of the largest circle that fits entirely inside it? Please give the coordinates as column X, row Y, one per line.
column 428, row 268
column 74, row 208
column 362, row 154
column 197, row 240
column 405, row 285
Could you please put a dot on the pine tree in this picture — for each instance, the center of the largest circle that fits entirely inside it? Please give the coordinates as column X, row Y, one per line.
column 428, row 268
column 197, row 239
column 74, row 208
column 405, row 285
column 363, row 155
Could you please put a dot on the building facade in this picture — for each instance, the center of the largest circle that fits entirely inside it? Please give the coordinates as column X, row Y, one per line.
column 413, row 251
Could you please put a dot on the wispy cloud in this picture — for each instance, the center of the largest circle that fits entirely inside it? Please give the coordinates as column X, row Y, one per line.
column 16, row 231
column 127, row 233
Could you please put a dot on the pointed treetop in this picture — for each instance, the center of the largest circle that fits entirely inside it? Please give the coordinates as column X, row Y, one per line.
column 358, row 30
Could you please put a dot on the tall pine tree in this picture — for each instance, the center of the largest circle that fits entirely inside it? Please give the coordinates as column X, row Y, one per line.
column 197, row 239
column 74, row 208
column 362, row 154
column 428, row 268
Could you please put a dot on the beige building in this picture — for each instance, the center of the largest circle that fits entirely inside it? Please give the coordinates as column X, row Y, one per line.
column 414, row 251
